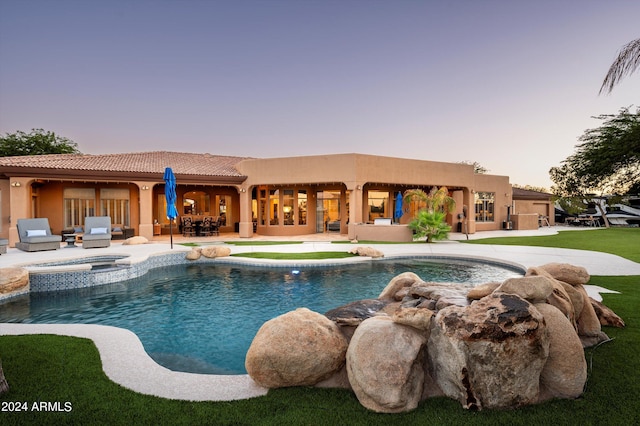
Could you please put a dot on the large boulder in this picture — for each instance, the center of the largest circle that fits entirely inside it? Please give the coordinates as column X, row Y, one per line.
column 606, row 315
column 367, row 252
column 194, row 254
column 418, row 318
column 132, row 241
column 355, row 312
column 435, row 296
column 482, row 290
column 571, row 274
column 385, row 365
column 564, row 296
column 588, row 323
column 215, row 251
column 404, row 280
column 13, row 281
column 565, row 371
column 299, row 348
column 533, row 288
column 490, row 353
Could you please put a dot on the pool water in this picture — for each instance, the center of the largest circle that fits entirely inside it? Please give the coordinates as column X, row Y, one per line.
column 202, row 318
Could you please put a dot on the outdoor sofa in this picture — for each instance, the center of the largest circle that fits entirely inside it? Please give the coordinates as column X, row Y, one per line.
column 35, row 235
column 97, row 232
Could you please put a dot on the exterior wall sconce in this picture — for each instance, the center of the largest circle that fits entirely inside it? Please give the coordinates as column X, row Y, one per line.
column 243, row 190
column 359, row 187
column 16, row 184
column 145, row 188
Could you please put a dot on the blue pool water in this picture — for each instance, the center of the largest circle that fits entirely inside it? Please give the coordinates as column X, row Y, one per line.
column 202, row 318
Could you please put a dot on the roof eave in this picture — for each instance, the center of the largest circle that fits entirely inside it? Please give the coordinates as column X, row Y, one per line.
column 68, row 174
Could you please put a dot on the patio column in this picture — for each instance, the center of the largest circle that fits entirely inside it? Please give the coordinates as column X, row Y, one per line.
column 145, row 227
column 470, row 202
column 355, row 207
column 20, row 205
column 246, row 215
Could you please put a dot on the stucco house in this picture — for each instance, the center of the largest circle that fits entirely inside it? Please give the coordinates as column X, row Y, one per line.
column 342, row 193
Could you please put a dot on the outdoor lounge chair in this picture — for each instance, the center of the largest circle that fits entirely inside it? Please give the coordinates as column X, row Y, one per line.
column 35, row 235
column 97, row 232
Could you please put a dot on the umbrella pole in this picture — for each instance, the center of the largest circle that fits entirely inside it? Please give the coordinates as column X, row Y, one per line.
column 171, row 232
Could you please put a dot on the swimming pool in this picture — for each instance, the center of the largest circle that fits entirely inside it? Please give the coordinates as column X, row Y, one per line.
column 201, row 318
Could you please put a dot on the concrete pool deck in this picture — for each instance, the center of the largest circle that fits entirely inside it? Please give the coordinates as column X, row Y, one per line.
column 126, row 363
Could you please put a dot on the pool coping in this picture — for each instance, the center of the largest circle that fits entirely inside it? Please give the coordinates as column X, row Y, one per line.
column 126, row 363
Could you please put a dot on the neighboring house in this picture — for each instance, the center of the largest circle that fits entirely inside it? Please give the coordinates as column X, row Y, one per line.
column 274, row 196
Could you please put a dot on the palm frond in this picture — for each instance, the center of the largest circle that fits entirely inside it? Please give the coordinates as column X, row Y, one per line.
column 627, row 62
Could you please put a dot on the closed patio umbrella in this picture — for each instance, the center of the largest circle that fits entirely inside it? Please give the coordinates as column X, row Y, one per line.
column 397, row 214
column 170, row 195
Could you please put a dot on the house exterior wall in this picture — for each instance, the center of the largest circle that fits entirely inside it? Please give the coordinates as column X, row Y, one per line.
column 5, row 210
column 540, row 207
column 501, row 188
column 352, row 176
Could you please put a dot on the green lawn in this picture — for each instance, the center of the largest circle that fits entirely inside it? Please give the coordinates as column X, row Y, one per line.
column 623, row 242
column 65, row 369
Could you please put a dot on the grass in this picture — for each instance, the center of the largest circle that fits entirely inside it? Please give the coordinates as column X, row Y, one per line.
column 321, row 255
column 261, row 243
column 624, row 242
column 59, row 368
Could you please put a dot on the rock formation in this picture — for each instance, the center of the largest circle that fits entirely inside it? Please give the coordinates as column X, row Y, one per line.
column 498, row 345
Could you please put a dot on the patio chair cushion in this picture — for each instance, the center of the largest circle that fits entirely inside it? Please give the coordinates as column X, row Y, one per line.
column 36, row 233
column 98, row 231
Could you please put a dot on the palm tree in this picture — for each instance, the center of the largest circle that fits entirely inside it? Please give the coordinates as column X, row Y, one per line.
column 430, row 220
column 627, row 62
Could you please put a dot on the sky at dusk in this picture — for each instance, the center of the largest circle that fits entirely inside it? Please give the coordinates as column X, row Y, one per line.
column 511, row 85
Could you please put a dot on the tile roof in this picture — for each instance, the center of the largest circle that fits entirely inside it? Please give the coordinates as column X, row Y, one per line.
column 530, row 194
column 138, row 162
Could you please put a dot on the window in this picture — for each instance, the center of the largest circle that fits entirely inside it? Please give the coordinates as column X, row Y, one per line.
column 274, row 199
column 302, row 207
column 224, row 209
column 115, row 203
column 78, row 203
column 262, row 213
column 484, row 202
column 196, row 203
column 378, row 204
column 287, row 206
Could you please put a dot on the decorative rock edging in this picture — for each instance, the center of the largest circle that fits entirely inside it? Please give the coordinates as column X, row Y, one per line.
column 499, row 345
column 210, row 252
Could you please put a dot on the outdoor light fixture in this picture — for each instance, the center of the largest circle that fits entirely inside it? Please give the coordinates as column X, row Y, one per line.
column 16, row 184
column 145, row 188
